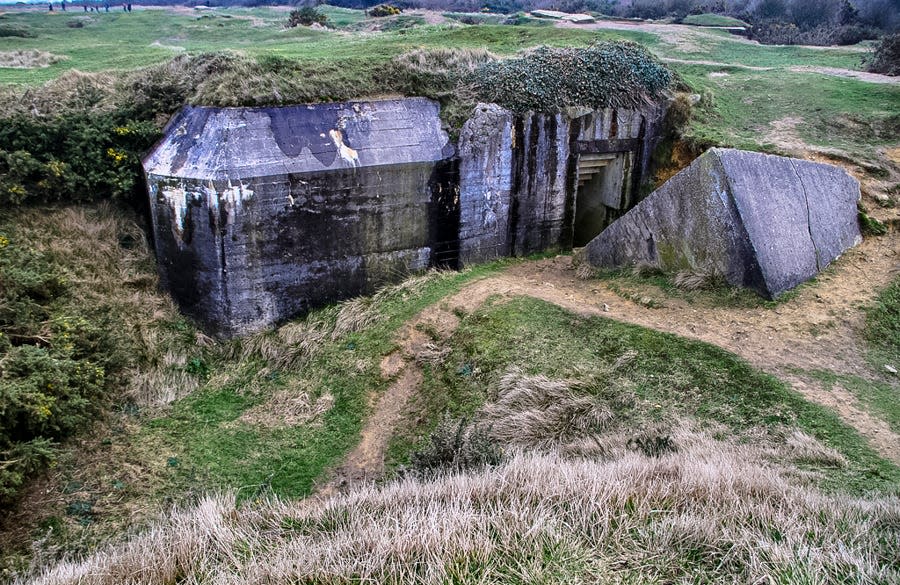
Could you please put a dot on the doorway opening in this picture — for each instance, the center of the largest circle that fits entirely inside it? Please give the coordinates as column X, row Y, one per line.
column 601, row 178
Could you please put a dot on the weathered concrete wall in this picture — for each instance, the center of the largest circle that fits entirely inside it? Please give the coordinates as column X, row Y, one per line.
column 263, row 213
column 519, row 174
column 258, row 217
column 761, row 221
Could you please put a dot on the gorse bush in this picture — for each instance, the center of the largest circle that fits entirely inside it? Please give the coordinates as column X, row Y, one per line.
column 53, row 363
column 384, row 10
column 74, row 157
column 545, row 79
column 306, row 16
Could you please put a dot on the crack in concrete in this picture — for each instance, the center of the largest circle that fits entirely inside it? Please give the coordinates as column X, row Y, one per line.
column 808, row 216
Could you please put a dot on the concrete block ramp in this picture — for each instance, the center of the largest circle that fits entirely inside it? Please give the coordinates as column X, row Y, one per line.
column 764, row 222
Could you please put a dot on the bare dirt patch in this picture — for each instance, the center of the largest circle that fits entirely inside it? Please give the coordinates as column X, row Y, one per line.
column 848, row 73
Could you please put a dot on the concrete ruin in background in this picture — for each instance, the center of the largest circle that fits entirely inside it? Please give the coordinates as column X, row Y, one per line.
column 260, row 214
column 763, row 222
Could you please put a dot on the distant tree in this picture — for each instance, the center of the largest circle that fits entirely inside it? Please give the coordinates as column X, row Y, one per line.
column 848, row 13
column 886, row 58
column 770, row 10
column 808, row 14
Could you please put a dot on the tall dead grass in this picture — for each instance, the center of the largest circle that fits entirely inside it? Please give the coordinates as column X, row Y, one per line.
column 28, row 59
column 712, row 512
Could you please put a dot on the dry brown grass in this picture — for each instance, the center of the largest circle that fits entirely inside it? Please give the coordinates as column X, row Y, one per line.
column 712, row 512
column 28, row 59
column 692, row 280
column 73, row 91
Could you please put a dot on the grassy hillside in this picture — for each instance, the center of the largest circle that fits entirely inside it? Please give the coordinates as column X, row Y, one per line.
column 540, row 446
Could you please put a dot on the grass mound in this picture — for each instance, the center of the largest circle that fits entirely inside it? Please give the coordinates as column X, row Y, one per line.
column 711, row 19
column 606, row 74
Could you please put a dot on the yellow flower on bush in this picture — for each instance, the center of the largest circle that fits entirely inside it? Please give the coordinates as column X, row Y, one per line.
column 56, row 168
column 4, row 242
column 122, row 130
column 118, row 156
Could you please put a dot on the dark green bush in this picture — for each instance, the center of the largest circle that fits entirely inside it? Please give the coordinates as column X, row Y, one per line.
column 74, row 157
column 886, row 58
column 306, row 16
column 456, row 446
column 607, row 74
column 54, row 364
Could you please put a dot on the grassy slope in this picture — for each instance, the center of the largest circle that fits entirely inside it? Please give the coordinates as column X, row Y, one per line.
column 670, row 377
column 212, row 449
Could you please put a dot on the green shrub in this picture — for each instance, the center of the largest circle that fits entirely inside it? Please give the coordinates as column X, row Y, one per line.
column 306, row 16
column 73, row 157
column 384, row 10
column 606, row 74
column 54, row 364
column 886, row 57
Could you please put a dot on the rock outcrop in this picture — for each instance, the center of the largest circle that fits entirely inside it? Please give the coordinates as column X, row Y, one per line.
column 763, row 222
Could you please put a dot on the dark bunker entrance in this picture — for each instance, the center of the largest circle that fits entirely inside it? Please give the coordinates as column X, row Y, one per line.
column 601, row 182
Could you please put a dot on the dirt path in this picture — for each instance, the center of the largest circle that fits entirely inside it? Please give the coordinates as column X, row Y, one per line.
column 819, row 328
column 848, row 73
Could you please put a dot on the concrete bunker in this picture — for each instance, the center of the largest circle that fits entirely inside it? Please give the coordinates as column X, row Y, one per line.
column 260, row 214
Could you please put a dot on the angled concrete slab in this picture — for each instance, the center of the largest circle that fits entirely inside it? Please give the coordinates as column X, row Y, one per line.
column 763, row 222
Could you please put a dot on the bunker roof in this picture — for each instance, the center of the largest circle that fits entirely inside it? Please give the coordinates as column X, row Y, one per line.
column 236, row 143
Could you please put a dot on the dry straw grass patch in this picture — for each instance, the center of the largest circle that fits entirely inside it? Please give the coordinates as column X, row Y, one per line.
column 712, row 512
column 28, row 59
column 107, row 259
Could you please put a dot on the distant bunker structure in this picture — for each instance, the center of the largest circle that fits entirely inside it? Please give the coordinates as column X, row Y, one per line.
column 260, row 214
column 763, row 222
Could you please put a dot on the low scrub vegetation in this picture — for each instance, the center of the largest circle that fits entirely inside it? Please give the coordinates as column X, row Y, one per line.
column 885, row 58
column 306, row 16
column 77, row 299
column 544, row 79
